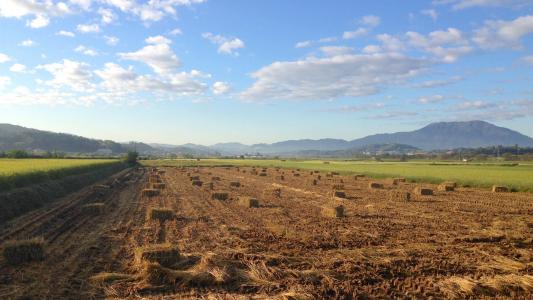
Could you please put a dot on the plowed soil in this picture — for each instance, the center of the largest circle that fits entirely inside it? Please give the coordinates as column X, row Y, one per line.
column 466, row 243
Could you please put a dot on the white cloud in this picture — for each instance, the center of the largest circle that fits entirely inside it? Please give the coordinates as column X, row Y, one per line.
column 87, row 51
column 332, row 77
column 430, row 99
column 157, row 55
column 473, row 105
column 111, row 40
column 65, row 33
column 220, row 88
column 176, row 31
column 527, row 59
column 88, row 28
column 27, row 43
column 151, row 11
column 72, row 74
column 225, row 45
column 40, row 21
column 390, row 43
column 437, row 83
column 371, row 49
column 504, row 34
column 18, row 68
column 336, row 50
column 83, row 4
column 370, row 20
column 4, row 82
column 21, row 8
column 359, row 32
column 430, row 13
column 106, row 15
column 303, row 44
column 4, row 58
column 447, row 45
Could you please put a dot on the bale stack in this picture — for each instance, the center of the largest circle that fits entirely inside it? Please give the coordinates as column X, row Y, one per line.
column 499, row 189
column 375, row 185
column 248, row 202
column 23, row 251
column 161, row 214
column 423, row 191
column 399, row 196
column 219, row 196
column 333, row 212
column 149, row 193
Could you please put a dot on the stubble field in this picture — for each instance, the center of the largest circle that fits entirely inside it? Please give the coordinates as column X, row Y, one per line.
column 191, row 233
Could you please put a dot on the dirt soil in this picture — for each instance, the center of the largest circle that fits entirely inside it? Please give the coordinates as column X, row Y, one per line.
column 467, row 243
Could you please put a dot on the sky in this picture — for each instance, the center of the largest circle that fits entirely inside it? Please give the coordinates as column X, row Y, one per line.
column 210, row 71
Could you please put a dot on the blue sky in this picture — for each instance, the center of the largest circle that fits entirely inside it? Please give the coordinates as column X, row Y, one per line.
column 208, row 71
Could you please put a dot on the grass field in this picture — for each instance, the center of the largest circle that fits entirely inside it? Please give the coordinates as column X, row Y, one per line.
column 21, row 172
column 518, row 177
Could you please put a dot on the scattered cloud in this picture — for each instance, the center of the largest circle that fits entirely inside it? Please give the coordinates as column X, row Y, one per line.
column 438, row 83
column 4, row 82
column 303, row 44
column 430, row 99
column 528, row 59
column 88, row 28
column 332, row 77
column 504, row 34
column 157, row 55
column 176, row 31
column 18, row 68
column 107, row 16
column 335, row 50
column 447, row 45
column 370, row 21
column 220, row 88
column 70, row 74
column 39, row 21
column 111, row 40
column 4, row 58
column 430, row 13
column 225, row 45
column 87, row 51
column 27, row 43
column 359, row 32
column 357, row 108
column 473, row 105
column 65, row 33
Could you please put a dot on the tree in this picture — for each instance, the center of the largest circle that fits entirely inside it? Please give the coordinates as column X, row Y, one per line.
column 17, row 154
column 131, row 157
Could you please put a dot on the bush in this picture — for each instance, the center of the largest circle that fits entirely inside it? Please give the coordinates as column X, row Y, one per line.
column 18, row 154
column 131, row 157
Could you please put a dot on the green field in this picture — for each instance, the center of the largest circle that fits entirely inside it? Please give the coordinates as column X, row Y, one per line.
column 21, row 172
column 516, row 176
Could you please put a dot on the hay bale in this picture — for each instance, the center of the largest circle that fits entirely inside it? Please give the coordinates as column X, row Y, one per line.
column 357, row 176
column 166, row 255
column 234, row 184
column 93, row 209
column 161, row 214
column 263, row 174
column 452, row 183
column 314, row 182
column 219, row 196
column 394, row 181
column 248, row 202
column 445, row 187
column 159, row 186
column 319, row 177
column 339, row 194
column 282, row 177
column 296, row 174
column 338, row 187
column 197, row 183
column 99, row 187
column 499, row 189
column 215, row 178
column 333, row 212
column 400, row 179
column 21, row 251
column 399, row 196
column 423, row 191
column 375, row 185
column 193, row 178
column 150, row 192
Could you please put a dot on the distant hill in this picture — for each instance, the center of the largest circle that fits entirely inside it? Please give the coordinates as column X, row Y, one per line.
column 450, row 135
column 435, row 136
column 22, row 138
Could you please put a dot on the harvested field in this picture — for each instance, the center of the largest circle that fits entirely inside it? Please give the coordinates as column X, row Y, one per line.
column 300, row 243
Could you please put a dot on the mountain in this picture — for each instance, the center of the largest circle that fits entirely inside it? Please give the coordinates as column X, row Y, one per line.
column 450, row 135
column 22, row 138
column 374, row 149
